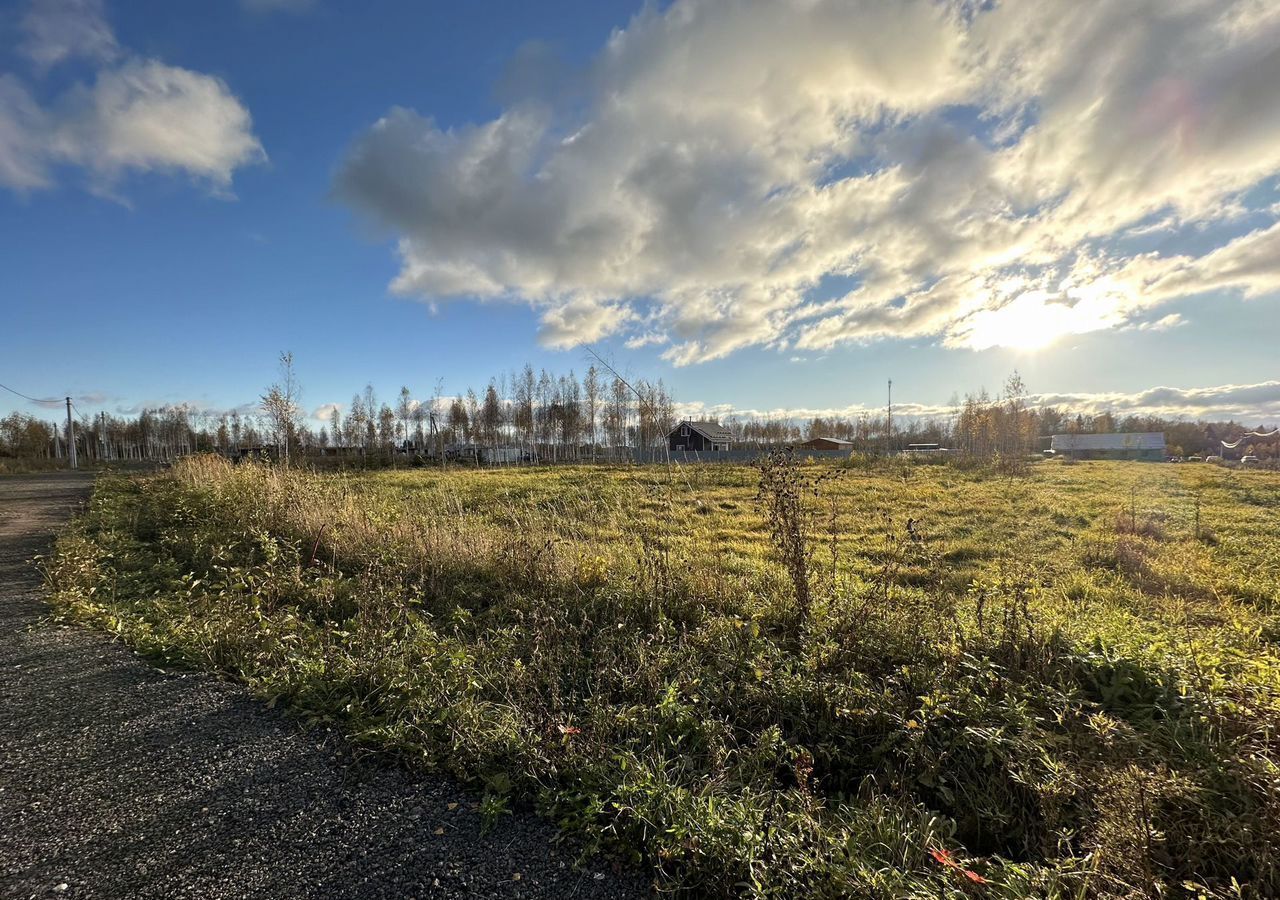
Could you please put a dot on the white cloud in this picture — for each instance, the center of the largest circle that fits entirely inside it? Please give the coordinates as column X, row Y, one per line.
column 1251, row 403
column 580, row 321
column 22, row 124
column 969, row 168
column 1164, row 323
column 724, row 411
column 1249, row 264
column 137, row 116
column 646, row 339
column 323, row 413
column 147, row 116
column 55, row 31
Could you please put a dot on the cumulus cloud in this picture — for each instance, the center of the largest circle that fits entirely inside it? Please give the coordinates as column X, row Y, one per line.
column 137, row 115
column 323, row 413
column 1254, row 403
column 1249, row 264
column 969, row 169
column 722, row 412
column 580, row 321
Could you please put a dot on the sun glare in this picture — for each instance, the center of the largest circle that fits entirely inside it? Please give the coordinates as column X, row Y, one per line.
column 1035, row 320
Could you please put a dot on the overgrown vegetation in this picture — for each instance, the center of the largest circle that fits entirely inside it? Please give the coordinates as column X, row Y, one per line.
column 9, row 466
column 772, row 682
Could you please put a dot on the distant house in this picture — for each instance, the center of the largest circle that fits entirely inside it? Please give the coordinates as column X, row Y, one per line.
column 462, row 451
column 333, row 450
column 930, row 449
column 703, row 437
column 489, row 456
column 826, row 443
column 1148, row 445
column 263, row 451
column 502, row 456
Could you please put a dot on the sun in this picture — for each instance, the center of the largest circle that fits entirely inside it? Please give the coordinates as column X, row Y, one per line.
column 1034, row 320
column 1025, row 323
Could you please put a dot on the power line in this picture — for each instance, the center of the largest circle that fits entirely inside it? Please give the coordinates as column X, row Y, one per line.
column 25, row 397
column 71, row 431
column 1251, row 434
column 639, row 397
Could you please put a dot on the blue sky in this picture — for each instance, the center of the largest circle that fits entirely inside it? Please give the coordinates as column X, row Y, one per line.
column 873, row 206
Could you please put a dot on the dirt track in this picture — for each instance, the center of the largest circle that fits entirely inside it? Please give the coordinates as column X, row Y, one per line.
column 121, row 780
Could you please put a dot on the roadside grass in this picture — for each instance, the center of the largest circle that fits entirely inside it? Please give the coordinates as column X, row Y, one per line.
column 803, row 681
column 27, row 466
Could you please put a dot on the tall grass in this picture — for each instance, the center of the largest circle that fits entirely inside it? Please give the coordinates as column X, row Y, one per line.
column 765, row 682
column 28, row 466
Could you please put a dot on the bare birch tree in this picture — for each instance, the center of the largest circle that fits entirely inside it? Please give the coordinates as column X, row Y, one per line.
column 281, row 406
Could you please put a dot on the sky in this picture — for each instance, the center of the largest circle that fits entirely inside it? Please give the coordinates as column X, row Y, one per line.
column 775, row 206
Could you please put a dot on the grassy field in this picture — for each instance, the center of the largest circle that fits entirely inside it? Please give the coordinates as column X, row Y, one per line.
column 800, row 681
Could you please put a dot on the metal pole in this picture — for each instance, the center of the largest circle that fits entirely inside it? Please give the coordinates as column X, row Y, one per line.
column 890, row 443
column 71, row 435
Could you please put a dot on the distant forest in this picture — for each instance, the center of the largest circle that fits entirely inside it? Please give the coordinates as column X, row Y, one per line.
column 561, row 417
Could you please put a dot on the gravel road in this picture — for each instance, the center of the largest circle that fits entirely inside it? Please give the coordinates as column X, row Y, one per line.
column 118, row 779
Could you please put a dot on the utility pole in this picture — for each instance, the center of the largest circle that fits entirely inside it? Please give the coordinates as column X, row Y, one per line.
column 71, row 435
column 890, row 441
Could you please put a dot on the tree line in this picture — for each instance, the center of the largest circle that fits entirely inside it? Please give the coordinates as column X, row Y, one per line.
column 559, row 416
column 153, row 434
column 555, row 417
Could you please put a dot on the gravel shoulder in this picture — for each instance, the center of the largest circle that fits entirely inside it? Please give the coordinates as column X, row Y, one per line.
column 119, row 779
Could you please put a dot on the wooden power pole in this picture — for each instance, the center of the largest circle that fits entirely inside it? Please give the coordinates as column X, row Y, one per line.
column 71, row 436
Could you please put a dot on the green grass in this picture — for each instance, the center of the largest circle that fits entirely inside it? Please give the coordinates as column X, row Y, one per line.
column 27, row 466
column 30, row 466
column 1062, row 684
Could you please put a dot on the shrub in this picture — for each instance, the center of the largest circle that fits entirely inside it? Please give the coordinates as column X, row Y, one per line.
column 941, row 723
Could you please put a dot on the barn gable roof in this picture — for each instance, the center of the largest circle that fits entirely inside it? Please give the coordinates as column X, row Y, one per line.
column 712, row 431
column 1124, row 440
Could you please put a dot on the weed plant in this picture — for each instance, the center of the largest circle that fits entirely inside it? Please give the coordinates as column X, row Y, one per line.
column 764, row 682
